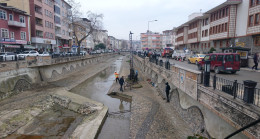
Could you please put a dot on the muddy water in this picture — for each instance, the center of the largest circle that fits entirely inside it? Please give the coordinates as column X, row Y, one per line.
column 117, row 123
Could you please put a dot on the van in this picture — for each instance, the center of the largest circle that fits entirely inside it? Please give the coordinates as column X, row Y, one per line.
column 222, row 62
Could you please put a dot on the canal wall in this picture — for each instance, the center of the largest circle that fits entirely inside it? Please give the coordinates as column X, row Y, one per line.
column 209, row 112
column 39, row 70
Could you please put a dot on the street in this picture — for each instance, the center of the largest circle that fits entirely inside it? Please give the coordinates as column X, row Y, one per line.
column 239, row 76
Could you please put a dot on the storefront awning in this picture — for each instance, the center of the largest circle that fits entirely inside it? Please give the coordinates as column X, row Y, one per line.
column 29, row 47
column 12, row 46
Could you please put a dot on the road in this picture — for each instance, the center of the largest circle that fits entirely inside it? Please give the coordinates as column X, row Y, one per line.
column 239, row 76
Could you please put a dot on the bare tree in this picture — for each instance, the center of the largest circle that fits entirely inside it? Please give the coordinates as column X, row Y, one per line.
column 83, row 27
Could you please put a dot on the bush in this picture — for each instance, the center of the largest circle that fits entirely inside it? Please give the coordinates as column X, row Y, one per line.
column 211, row 50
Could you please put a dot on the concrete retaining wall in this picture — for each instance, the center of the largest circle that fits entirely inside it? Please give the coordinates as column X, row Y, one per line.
column 17, row 80
column 205, row 109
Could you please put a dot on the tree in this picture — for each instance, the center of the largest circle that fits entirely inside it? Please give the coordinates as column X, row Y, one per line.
column 100, row 46
column 211, row 50
column 83, row 27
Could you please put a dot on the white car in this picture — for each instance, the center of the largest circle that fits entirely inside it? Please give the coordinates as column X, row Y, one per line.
column 45, row 54
column 28, row 53
column 7, row 56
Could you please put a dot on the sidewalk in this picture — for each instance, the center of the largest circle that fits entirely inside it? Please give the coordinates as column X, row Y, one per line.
column 250, row 69
column 151, row 116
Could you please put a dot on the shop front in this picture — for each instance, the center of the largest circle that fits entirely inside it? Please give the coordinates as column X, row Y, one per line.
column 12, row 45
column 43, row 45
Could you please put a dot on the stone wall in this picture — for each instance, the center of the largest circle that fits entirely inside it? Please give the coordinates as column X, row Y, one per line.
column 205, row 109
column 18, row 80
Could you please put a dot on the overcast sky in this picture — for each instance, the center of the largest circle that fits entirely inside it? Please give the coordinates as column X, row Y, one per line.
column 123, row 16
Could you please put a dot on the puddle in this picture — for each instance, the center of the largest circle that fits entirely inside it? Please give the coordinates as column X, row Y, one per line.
column 117, row 124
column 53, row 123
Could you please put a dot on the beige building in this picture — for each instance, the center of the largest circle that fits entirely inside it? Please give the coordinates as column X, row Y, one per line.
column 20, row 4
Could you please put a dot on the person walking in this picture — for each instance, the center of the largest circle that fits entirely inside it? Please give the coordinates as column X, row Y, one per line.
column 136, row 76
column 256, row 60
column 116, row 75
column 167, row 89
column 121, row 82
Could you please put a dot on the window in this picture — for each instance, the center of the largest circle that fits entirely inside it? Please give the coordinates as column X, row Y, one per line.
column 251, row 21
column 51, row 35
column 215, row 44
column 2, row 14
column 220, row 44
column 57, row 19
column 22, row 20
column 252, row 3
column 23, row 35
column 12, row 35
column 256, row 19
column 11, row 18
column 226, row 27
column 220, row 58
column 257, row 41
column 213, row 57
column 227, row 11
column 46, row 34
column 223, row 28
column 56, row 9
column 229, row 58
column 206, row 33
column 257, row 2
column 4, row 33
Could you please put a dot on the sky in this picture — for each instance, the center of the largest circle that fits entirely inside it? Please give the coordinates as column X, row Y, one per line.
column 123, row 16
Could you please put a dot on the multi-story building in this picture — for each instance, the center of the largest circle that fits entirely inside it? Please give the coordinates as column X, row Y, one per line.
column 151, row 40
column 14, row 25
column 42, row 24
column 204, row 37
column 62, row 21
column 181, row 37
column 80, row 28
column 223, row 23
column 168, row 38
column 111, row 42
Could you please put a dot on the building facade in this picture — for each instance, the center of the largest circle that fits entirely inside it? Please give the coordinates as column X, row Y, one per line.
column 42, row 25
column 63, row 29
column 15, row 32
column 151, row 40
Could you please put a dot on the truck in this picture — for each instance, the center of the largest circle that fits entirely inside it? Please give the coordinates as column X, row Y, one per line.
column 167, row 51
column 180, row 54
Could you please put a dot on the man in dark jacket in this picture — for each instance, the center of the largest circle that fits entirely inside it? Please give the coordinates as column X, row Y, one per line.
column 121, row 82
column 167, row 89
column 256, row 60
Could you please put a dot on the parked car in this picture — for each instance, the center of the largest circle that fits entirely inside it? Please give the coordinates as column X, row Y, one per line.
column 28, row 53
column 222, row 62
column 45, row 54
column 196, row 58
column 83, row 53
column 7, row 56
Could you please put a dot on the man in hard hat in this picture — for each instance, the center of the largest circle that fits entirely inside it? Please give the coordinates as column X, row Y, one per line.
column 116, row 75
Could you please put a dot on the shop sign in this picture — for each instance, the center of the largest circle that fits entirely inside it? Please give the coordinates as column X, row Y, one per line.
column 243, row 54
column 65, row 45
column 47, row 41
column 240, row 44
column 21, row 41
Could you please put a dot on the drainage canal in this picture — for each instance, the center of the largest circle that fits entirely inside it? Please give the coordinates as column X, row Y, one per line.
column 117, row 124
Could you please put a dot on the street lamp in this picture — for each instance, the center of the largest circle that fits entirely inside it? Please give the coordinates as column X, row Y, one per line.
column 131, row 64
column 149, row 31
column 149, row 22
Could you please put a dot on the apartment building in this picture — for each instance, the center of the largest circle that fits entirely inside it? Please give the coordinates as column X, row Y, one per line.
column 204, row 45
column 151, row 40
column 80, row 27
column 42, row 25
column 15, row 32
column 168, row 38
column 181, row 37
column 63, row 35
column 194, row 33
column 111, row 41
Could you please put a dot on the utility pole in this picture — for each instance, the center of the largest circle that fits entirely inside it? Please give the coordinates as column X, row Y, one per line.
column 131, row 61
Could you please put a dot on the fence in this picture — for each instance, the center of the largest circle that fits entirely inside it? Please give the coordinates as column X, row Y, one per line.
column 233, row 88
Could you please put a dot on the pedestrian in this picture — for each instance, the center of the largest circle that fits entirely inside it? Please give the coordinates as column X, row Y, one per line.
column 256, row 60
column 167, row 89
column 116, row 75
column 121, row 82
column 136, row 76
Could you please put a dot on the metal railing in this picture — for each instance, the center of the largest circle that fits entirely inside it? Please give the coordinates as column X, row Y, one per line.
column 233, row 88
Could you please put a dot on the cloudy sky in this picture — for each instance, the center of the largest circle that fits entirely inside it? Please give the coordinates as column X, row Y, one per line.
column 123, row 16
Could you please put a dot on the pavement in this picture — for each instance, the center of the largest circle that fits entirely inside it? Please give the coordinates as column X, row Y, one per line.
column 151, row 116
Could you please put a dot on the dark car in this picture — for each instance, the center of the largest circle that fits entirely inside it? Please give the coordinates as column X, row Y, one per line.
column 222, row 62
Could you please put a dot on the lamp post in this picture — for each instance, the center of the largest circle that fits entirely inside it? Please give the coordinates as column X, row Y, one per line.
column 149, row 31
column 206, row 73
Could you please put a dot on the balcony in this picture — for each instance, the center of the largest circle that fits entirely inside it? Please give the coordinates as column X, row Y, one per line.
column 16, row 24
column 57, row 34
